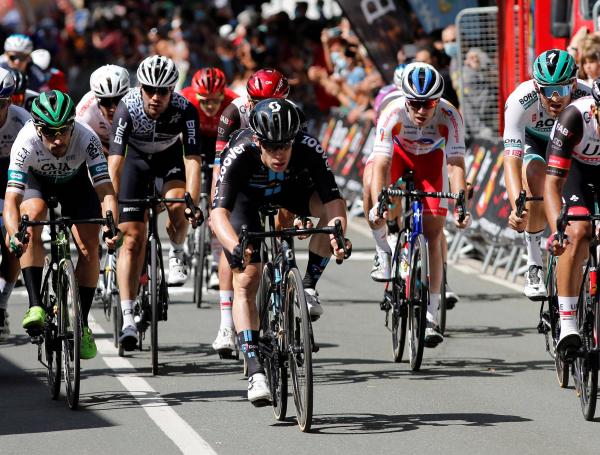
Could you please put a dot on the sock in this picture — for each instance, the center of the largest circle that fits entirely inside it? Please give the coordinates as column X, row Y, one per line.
column 433, row 306
column 392, row 226
column 249, row 345
column 534, row 252
column 33, row 282
column 176, row 250
column 314, row 269
column 127, row 310
column 567, row 307
column 5, row 291
column 86, row 295
column 226, row 300
column 380, row 236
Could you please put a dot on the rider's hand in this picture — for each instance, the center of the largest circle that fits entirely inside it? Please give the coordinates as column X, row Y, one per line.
column 554, row 247
column 196, row 219
column 516, row 223
column 339, row 252
column 303, row 222
column 112, row 243
column 374, row 217
column 16, row 246
column 238, row 259
column 464, row 223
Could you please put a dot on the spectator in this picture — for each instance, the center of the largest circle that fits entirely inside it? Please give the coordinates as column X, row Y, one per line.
column 428, row 55
column 451, row 50
column 589, row 64
column 477, row 99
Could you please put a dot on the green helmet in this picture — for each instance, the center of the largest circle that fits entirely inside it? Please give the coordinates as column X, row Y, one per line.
column 554, row 66
column 54, row 109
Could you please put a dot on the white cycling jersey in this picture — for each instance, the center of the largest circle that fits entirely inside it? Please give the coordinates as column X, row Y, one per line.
column 526, row 121
column 17, row 117
column 29, row 155
column 88, row 111
column 445, row 131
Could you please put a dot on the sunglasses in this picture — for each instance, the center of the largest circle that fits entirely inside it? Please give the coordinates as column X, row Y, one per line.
column 151, row 91
column 275, row 146
column 5, row 102
column 418, row 104
column 208, row 101
column 54, row 132
column 561, row 91
column 109, row 102
column 15, row 57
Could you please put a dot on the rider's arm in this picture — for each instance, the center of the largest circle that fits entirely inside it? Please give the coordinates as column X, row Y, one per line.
column 106, row 194
column 566, row 134
column 455, row 149
column 514, row 147
column 119, row 137
column 228, row 123
column 193, row 176
column 223, row 228
column 11, row 213
column 99, row 175
column 383, row 148
column 192, row 152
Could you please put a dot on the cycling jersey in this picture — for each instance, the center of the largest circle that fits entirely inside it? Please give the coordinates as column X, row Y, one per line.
column 88, row 111
column 383, row 98
column 132, row 127
column 16, row 118
column 444, row 131
column 526, row 122
column 29, row 156
column 208, row 125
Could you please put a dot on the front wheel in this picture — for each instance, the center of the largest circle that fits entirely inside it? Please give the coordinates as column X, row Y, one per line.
column 417, row 301
column 52, row 346
column 70, row 323
column 399, row 304
column 154, row 308
column 442, row 310
column 300, row 349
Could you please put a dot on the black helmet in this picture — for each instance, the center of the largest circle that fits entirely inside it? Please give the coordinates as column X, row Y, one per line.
column 275, row 120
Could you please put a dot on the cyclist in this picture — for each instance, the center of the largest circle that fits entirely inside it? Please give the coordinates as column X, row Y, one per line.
column 22, row 96
column 264, row 83
column 52, row 155
column 270, row 162
column 210, row 96
column 108, row 84
column 423, row 132
column 154, row 134
column 55, row 78
column 12, row 119
column 529, row 115
column 573, row 162
column 17, row 55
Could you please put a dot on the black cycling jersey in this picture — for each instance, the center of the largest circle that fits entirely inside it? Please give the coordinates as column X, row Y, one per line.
column 132, row 127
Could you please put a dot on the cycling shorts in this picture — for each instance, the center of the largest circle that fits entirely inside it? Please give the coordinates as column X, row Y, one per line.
column 576, row 192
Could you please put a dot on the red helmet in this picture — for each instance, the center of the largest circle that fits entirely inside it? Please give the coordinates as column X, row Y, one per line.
column 208, row 81
column 267, row 83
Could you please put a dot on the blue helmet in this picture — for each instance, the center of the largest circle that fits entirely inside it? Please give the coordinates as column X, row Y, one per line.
column 421, row 81
column 7, row 83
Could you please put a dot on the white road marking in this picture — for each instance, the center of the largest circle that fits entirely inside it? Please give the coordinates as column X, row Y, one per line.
column 163, row 415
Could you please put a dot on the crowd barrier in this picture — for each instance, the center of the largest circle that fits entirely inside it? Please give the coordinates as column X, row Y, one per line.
column 489, row 238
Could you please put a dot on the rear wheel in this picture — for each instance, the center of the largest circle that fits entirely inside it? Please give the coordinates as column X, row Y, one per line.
column 399, row 310
column 300, row 349
column 201, row 250
column 418, row 298
column 560, row 366
column 69, row 315
column 52, row 346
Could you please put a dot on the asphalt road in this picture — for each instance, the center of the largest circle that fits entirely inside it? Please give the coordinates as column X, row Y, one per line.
column 490, row 387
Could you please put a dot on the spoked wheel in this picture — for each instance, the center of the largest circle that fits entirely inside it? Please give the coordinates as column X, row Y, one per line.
column 399, row 307
column 274, row 352
column 200, row 262
column 52, row 347
column 417, row 304
column 442, row 309
column 69, row 316
column 154, row 304
column 300, row 349
column 552, row 333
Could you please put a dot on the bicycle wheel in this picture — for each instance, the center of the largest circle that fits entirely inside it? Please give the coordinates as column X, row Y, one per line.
column 399, row 313
column 417, row 301
column 154, row 308
column 442, row 309
column 269, row 311
column 300, row 349
column 52, row 346
column 553, row 333
column 69, row 316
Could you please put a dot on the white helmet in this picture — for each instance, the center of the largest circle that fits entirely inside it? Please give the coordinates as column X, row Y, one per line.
column 421, row 81
column 109, row 81
column 41, row 58
column 18, row 43
column 157, row 71
column 7, row 83
column 398, row 72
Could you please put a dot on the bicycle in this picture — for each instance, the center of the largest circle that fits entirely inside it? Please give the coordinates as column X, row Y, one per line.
column 287, row 338
column 152, row 300
column 408, row 298
column 59, row 339
column 584, row 363
column 111, row 301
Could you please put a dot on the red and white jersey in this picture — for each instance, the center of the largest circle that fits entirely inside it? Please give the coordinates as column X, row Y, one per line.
column 89, row 113
column 208, row 125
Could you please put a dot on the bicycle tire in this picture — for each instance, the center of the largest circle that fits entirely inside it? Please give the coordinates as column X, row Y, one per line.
column 274, row 361
column 200, row 265
column 52, row 347
column 69, row 315
column 399, row 313
column 300, row 349
column 442, row 309
column 552, row 336
column 154, row 288
column 417, row 302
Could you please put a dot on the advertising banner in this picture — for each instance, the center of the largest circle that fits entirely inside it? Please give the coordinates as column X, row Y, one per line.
column 436, row 14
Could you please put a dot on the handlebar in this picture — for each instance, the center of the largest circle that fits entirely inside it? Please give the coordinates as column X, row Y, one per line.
column 386, row 193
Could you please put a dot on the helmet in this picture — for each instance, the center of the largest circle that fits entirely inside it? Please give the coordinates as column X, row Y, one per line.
column 267, row 83
column 398, row 75
column 21, row 81
column 554, row 66
column 7, row 83
column 18, row 43
column 41, row 58
column 109, row 81
column 53, row 108
column 422, row 81
column 208, row 81
column 275, row 120
column 596, row 91
column 158, row 71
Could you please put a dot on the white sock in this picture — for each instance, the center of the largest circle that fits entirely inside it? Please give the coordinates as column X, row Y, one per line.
column 127, row 310
column 226, row 301
column 534, row 252
column 5, row 291
column 380, row 236
column 567, row 307
column 432, row 307
column 176, row 250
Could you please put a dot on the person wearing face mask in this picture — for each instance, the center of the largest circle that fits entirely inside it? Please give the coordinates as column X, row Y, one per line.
column 451, row 50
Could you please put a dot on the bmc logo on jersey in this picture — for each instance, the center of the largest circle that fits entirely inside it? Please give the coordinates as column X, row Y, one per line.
column 120, row 130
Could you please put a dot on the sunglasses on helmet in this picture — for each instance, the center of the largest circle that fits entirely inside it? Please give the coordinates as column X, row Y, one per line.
column 420, row 104
column 561, row 91
column 151, row 91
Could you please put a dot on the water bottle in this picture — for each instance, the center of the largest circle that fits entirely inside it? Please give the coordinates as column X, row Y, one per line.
column 404, row 261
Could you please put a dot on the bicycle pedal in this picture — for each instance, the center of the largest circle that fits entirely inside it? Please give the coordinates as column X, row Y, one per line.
column 37, row 339
column 226, row 354
column 261, row 403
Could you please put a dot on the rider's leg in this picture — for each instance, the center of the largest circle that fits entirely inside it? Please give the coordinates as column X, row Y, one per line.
column 129, row 266
column 433, row 229
column 86, row 238
column 177, row 227
column 32, row 260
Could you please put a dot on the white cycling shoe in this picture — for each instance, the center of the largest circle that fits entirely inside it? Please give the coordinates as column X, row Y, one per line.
column 177, row 272
column 535, row 288
column 382, row 267
column 258, row 390
column 225, row 343
column 315, row 310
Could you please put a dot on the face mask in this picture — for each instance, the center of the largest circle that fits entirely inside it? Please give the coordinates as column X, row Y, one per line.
column 341, row 64
column 335, row 57
column 451, row 49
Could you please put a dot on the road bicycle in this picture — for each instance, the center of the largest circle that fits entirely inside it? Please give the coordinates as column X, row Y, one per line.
column 109, row 295
column 408, row 297
column 152, row 300
column 59, row 339
column 286, row 333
